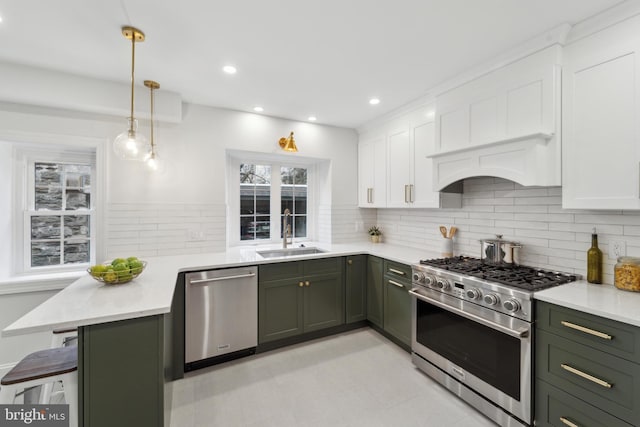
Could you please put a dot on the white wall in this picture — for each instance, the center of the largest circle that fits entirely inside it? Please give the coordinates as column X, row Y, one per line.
column 553, row 237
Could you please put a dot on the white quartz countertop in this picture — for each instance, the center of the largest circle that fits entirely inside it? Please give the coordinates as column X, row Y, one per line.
column 600, row 300
column 87, row 301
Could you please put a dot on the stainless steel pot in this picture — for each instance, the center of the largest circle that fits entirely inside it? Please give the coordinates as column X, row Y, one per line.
column 500, row 252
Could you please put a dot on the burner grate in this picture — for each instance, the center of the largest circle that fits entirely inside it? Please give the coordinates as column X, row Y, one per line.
column 518, row 276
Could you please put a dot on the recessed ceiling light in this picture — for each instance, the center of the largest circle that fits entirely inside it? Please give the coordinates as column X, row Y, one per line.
column 258, row 109
column 312, row 118
column 374, row 101
column 229, row 69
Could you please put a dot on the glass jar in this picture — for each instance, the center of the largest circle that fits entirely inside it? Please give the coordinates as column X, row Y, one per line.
column 627, row 274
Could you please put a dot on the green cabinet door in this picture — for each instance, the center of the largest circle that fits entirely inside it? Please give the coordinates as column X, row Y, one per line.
column 375, row 291
column 356, row 288
column 280, row 309
column 323, row 302
column 397, row 309
column 121, row 373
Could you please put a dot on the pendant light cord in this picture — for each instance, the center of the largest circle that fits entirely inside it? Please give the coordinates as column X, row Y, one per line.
column 133, row 65
column 153, row 145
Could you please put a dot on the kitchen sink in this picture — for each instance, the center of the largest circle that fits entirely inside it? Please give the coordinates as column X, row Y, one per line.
column 282, row 253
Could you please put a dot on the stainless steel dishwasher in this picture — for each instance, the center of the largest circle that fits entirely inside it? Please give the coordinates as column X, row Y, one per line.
column 221, row 315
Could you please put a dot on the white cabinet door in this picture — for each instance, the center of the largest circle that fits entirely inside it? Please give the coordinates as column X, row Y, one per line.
column 372, row 177
column 399, row 168
column 601, row 120
column 422, row 192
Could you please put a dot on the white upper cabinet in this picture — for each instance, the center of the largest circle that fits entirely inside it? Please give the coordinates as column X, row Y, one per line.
column 408, row 177
column 409, row 170
column 601, row 120
column 502, row 124
column 372, row 171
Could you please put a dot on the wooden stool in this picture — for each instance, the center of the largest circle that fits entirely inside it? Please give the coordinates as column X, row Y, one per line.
column 42, row 367
column 59, row 338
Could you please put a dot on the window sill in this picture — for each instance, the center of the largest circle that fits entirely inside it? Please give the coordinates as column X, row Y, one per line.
column 38, row 282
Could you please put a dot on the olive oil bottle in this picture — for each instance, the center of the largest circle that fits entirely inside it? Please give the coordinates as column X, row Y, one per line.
column 594, row 260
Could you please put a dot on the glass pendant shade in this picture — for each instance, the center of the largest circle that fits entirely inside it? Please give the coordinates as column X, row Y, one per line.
column 131, row 144
column 154, row 163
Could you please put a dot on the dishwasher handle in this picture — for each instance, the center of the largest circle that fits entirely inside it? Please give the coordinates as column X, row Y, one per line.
column 218, row 279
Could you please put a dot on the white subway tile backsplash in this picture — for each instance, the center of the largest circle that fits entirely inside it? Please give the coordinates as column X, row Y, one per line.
column 164, row 228
column 552, row 237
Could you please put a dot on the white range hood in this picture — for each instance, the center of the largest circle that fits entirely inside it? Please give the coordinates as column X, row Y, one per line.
column 503, row 123
column 529, row 160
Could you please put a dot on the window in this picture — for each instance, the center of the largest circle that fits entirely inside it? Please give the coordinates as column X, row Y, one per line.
column 59, row 219
column 293, row 196
column 56, row 219
column 266, row 191
column 255, row 202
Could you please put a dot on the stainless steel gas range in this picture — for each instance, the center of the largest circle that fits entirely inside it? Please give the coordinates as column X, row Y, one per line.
column 472, row 330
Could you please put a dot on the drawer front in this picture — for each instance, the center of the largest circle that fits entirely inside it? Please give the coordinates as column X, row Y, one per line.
column 613, row 337
column 556, row 408
column 397, row 270
column 323, row 266
column 279, row 271
column 605, row 381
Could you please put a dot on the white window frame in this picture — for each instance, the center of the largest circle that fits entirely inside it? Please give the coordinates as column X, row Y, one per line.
column 30, row 211
column 53, row 149
column 233, row 197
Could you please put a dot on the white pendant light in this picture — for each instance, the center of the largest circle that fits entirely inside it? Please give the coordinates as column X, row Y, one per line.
column 153, row 162
column 131, row 144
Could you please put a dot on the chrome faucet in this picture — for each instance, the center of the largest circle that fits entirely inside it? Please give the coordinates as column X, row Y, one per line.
column 286, row 229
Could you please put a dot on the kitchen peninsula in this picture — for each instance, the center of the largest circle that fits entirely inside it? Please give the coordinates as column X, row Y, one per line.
column 127, row 353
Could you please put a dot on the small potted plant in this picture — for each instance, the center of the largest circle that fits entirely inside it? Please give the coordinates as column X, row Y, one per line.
column 375, row 234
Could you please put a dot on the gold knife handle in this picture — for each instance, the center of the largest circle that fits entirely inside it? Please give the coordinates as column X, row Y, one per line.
column 568, row 423
column 586, row 376
column 587, row 330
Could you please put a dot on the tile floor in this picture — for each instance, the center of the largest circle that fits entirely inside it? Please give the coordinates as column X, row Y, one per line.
column 357, row 378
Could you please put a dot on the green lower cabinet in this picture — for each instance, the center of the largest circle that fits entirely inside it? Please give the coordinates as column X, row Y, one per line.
column 302, row 303
column 323, row 302
column 587, row 369
column 397, row 309
column 121, row 373
column 555, row 407
column 280, row 309
column 356, row 288
column 375, row 290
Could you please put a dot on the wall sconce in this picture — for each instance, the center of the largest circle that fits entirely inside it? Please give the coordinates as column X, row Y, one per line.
column 153, row 162
column 288, row 143
column 131, row 144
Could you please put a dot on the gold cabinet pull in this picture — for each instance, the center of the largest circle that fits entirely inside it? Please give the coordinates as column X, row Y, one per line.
column 393, row 270
column 307, row 283
column 406, row 197
column 566, row 422
column 586, row 376
column 396, row 284
column 587, row 330
column 300, row 284
column 349, row 261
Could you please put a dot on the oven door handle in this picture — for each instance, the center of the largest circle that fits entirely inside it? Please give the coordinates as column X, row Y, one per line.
column 521, row 333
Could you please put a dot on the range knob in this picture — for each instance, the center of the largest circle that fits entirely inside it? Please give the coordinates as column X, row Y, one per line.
column 418, row 277
column 511, row 305
column 429, row 280
column 442, row 284
column 473, row 293
column 491, row 299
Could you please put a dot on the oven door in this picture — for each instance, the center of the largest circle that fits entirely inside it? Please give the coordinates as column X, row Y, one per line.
column 487, row 351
